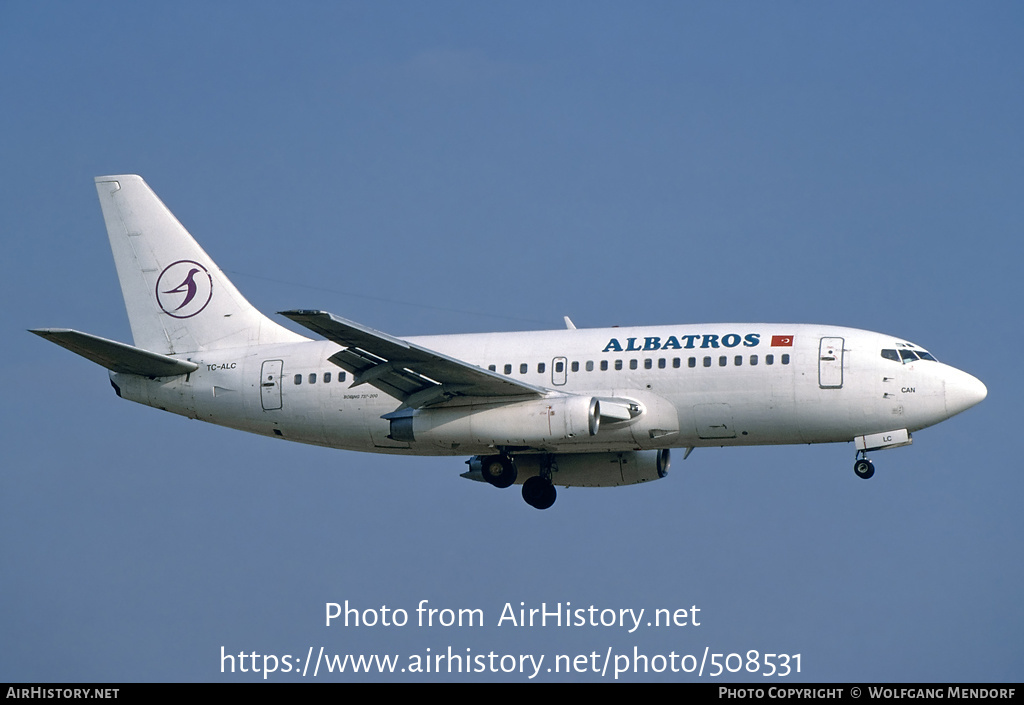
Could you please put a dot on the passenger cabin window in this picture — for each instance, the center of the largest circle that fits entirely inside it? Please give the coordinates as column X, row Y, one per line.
column 522, row 368
column 492, row 368
column 508, row 369
column 312, row 377
column 575, row 366
column 298, row 379
column 327, row 377
column 559, row 366
column 785, row 359
column 541, row 367
column 590, row 365
column 604, row 365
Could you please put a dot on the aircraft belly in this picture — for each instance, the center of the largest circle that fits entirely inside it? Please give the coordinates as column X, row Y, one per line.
column 351, row 418
column 713, row 420
column 740, row 421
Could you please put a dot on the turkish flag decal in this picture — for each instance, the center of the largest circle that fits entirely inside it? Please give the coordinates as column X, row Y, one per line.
column 782, row 341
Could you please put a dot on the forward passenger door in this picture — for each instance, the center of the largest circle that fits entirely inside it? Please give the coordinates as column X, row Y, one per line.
column 830, row 363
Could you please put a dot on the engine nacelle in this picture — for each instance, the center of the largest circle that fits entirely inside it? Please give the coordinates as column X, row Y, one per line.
column 524, row 423
column 587, row 469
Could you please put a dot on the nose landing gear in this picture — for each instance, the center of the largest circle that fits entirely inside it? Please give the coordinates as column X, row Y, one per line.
column 863, row 467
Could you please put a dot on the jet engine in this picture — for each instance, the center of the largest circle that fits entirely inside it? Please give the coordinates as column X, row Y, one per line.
column 585, row 469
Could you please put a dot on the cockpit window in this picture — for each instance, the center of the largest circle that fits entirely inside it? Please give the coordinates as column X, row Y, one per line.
column 906, row 355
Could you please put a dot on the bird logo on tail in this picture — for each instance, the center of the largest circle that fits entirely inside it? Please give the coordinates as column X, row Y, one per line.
column 191, row 295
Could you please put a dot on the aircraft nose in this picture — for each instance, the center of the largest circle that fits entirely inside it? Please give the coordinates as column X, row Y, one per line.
column 963, row 391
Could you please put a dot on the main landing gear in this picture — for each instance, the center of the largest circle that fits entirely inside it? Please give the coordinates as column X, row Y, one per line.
column 499, row 470
column 863, row 467
column 538, row 491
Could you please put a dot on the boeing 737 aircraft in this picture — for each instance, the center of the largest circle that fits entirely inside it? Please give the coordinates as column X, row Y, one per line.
column 574, row 407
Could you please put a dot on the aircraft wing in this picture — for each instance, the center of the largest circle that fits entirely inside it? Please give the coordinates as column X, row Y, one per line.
column 416, row 375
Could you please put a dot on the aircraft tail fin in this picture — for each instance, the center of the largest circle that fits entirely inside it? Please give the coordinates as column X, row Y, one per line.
column 178, row 300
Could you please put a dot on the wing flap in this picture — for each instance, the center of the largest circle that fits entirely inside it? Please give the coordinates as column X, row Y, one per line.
column 115, row 356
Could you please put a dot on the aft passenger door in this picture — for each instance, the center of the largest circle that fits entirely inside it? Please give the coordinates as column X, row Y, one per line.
column 270, row 384
column 830, row 363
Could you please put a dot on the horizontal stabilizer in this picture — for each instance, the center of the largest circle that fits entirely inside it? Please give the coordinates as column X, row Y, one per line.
column 115, row 356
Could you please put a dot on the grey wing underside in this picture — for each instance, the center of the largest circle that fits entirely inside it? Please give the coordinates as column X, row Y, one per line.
column 411, row 373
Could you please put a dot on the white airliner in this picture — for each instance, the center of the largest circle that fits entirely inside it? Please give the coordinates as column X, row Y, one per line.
column 575, row 407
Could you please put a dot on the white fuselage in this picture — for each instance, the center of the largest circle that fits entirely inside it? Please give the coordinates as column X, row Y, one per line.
column 698, row 385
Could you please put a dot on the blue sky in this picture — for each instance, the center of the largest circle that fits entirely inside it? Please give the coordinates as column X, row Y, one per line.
column 455, row 167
